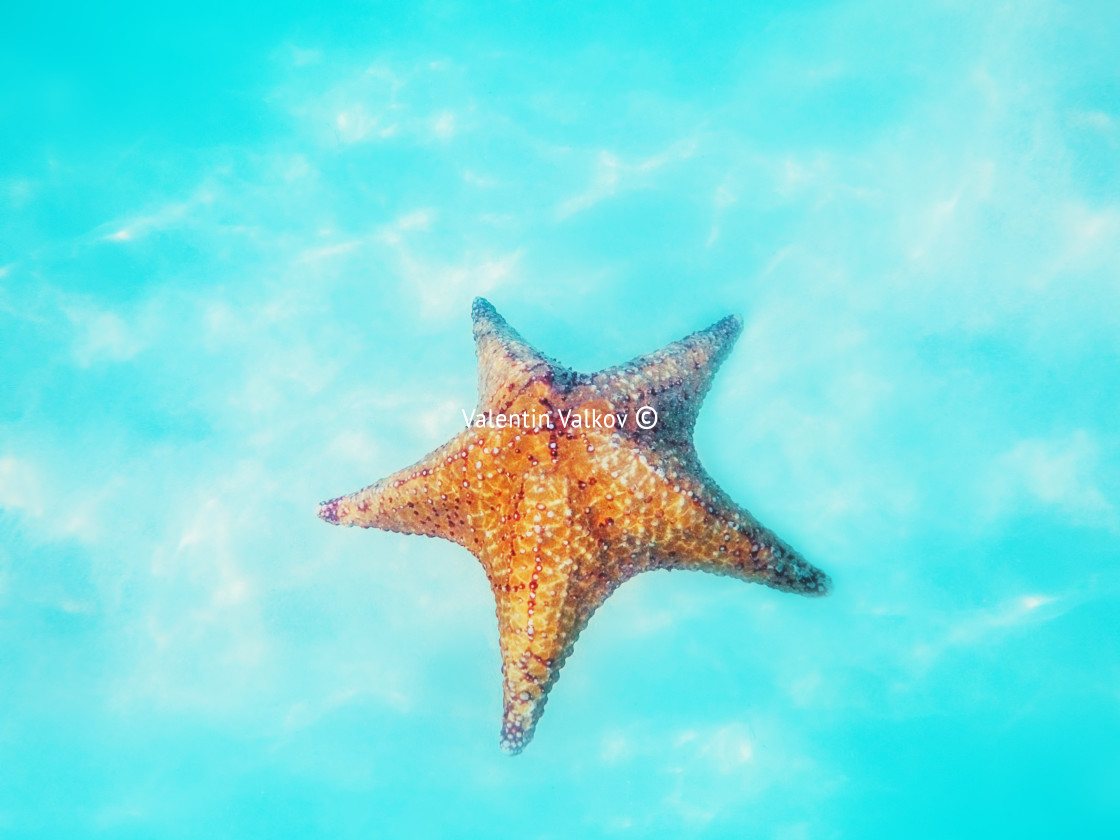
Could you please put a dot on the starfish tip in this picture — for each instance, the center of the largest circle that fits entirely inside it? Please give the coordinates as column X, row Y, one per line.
column 514, row 739
column 481, row 307
column 820, row 586
column 731, row 325
column 328, row 511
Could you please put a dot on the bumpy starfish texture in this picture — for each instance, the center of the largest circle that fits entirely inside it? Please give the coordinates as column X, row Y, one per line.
column 560, row 512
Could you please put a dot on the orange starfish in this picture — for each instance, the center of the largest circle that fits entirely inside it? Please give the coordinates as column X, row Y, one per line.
column 561, row 505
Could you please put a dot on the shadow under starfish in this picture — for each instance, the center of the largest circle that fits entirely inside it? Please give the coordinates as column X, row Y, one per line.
column 561, row 511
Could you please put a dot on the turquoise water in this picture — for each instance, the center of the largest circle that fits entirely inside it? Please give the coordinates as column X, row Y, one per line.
column 237, row 253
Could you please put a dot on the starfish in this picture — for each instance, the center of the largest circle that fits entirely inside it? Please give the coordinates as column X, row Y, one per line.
column 561, row 505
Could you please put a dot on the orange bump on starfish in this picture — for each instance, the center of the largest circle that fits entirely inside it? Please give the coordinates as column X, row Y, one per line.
column 559, row 513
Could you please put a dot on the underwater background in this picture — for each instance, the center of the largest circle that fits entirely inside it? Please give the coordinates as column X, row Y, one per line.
column 238, row 246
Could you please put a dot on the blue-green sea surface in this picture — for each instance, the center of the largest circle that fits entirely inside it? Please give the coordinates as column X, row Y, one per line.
column 238, row 247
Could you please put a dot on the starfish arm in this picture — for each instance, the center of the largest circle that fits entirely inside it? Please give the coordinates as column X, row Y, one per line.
column 733, row 543
column 552, row 581
column 673, row 380
column 507, row 363
column 436, row 497
column 676, row 517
